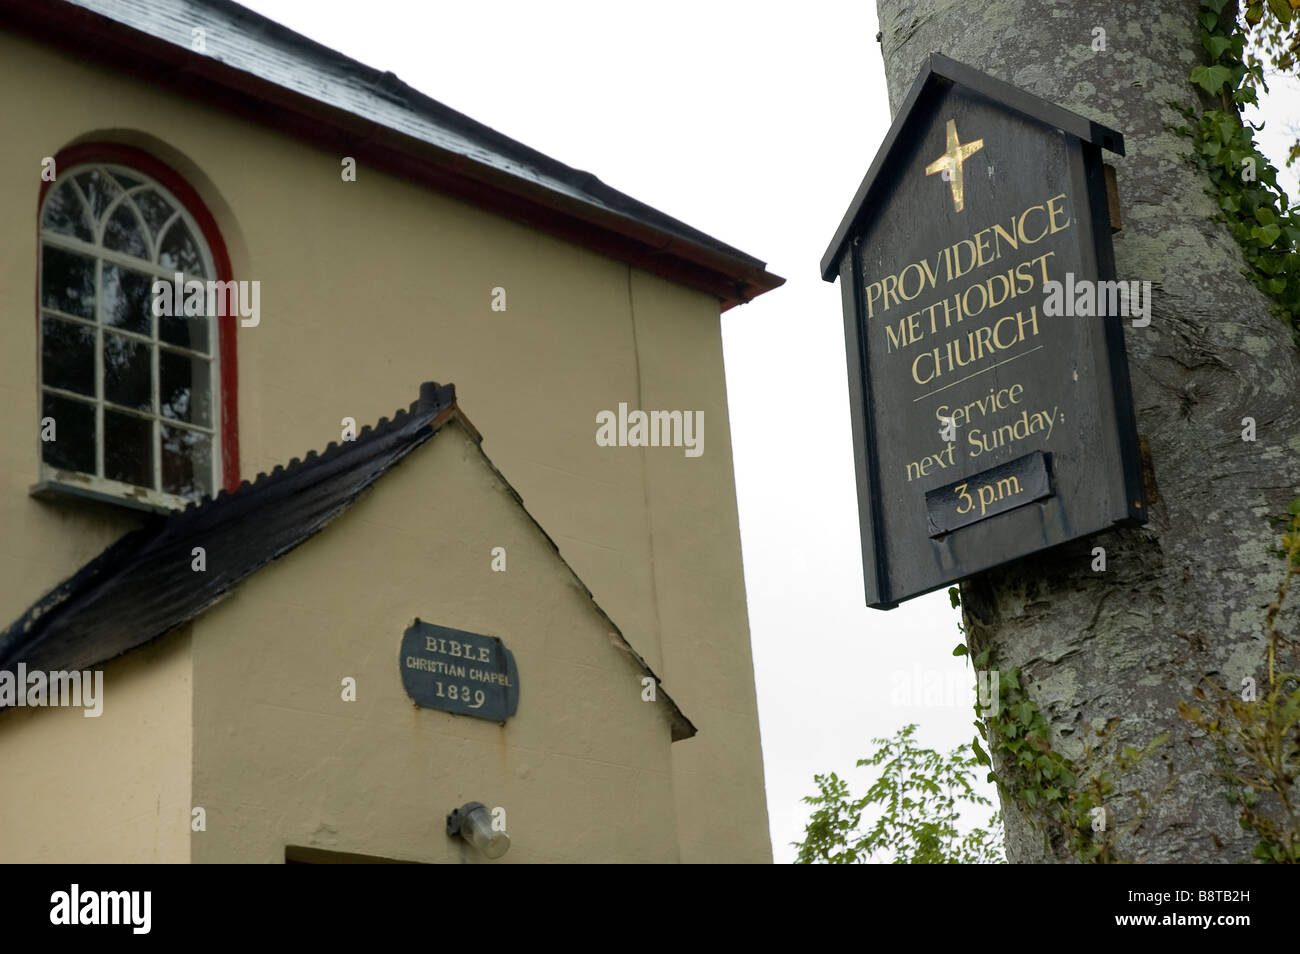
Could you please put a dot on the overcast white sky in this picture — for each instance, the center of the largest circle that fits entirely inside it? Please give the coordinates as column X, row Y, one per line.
column 754, row 121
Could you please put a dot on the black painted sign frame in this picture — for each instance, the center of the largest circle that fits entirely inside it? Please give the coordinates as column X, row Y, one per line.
column 914, row 540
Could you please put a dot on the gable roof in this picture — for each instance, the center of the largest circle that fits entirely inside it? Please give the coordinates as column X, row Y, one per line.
column 143, row 586
column 267, row 73
column 938, row 72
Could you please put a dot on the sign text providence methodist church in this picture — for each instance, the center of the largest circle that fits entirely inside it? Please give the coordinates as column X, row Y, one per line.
column 987, row 424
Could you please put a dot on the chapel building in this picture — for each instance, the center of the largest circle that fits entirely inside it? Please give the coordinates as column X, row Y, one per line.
column 379, row 464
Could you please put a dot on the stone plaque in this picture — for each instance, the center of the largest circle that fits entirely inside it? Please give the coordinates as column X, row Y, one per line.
column 455, row 671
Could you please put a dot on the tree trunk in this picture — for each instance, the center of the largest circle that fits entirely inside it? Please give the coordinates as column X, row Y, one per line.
column 1186, row 595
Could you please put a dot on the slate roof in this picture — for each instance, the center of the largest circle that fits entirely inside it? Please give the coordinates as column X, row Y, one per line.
column 143, row 586
column 247, row 54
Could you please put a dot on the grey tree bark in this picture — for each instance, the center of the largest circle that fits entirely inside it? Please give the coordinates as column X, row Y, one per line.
column 1186, row 595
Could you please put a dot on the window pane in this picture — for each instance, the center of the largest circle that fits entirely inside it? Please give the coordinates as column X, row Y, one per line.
column 186, row 462
column 124, row 233
column 179, row 251
column 128, row 377
column 68, row 356
column 155, row 209
column 128, row 448
column 131, row 362
column 74, row 432
column 185, row 388
column 68, row 282
column 126, row 181
column 65, row 212
column 99, row 190
column 128, row 299
column 189, row 333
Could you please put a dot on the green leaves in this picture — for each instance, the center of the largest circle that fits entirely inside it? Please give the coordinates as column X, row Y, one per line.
column 1253, row 207
column 1240, row 55
column 1217, row 45
column 1267, row 235
column 915, row 800
column 1211, row 78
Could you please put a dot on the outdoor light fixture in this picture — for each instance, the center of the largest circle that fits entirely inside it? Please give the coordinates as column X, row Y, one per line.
column 473, row 822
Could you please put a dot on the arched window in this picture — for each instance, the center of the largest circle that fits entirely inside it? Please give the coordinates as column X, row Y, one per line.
column 135, row 399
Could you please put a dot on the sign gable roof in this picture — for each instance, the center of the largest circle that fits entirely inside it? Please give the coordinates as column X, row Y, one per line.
column 938, row 73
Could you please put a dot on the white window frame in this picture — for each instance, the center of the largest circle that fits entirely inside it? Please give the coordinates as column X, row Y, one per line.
column 97, row 486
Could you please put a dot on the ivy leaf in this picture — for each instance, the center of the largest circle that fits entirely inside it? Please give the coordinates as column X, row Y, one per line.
column 961, row 650
column 1216, row 45
column 1211, row 78
column 1266, row 234
column 1281, row 9
column 1208, row 20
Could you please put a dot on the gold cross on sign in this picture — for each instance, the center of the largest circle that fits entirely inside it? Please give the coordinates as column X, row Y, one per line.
column 950, row 163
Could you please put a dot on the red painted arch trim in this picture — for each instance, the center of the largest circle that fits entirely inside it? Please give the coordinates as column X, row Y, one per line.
column 170, row 179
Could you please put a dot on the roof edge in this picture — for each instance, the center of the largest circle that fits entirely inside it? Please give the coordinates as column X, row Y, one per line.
column 682, row 727
column 726, row 273
column 435, row 409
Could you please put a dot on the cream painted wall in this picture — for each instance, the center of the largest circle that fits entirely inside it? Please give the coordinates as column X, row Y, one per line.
column 109, row 789
column 700, row 585
column 369, row 288
column 583, row 769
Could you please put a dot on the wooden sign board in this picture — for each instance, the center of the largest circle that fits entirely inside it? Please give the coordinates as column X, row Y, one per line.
column 987, row 424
